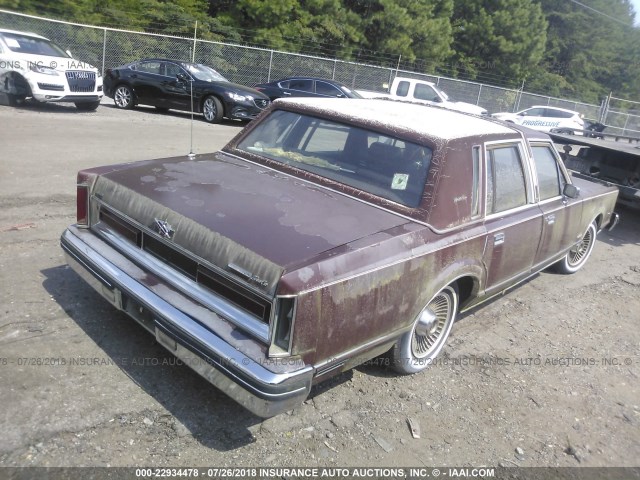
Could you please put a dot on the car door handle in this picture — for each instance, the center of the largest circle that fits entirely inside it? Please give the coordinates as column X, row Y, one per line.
column 286, row 93
column 498, row 239
column 551, row 219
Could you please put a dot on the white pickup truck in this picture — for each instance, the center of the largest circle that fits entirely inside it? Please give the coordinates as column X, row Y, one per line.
column 421, row 91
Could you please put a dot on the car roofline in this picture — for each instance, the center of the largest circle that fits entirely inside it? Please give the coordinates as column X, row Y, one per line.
column 27, row 34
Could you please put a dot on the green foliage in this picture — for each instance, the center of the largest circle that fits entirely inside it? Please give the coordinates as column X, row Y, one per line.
column 582, row 50
column 591, row 54
column 498, row 40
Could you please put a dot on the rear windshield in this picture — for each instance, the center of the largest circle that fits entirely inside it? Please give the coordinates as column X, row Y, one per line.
column 388, row 167
column 36, row 46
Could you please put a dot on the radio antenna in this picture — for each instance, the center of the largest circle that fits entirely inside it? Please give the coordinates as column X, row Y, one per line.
column 193, row 57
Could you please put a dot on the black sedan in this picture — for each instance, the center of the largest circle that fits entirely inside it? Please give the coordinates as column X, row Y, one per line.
column 306, row 87
column 167, row 84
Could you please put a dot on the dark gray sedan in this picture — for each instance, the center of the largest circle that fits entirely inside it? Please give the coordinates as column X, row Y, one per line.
column 306, row 87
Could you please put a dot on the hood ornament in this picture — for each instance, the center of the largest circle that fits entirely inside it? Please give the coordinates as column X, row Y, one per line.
column 163, row 228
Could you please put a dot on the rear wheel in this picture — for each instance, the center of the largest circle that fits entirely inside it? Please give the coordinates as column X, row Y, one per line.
column 579, row 253
column 123, row 97
column 417, row 348
column 212, row 109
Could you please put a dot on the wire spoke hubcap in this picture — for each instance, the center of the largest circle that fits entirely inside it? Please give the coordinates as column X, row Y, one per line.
column 428, row 339
column 578, row 253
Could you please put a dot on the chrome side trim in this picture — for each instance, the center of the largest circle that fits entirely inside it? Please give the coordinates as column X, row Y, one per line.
column 341, row 358
column 412, row 256
column 187, row 286
column 244, row 379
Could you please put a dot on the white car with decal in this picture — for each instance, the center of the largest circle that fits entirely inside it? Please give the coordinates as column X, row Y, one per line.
column 540, row 117
column 32, row 66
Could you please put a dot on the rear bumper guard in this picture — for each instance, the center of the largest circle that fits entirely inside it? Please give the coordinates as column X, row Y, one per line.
column 263, row 392
column 615, row 218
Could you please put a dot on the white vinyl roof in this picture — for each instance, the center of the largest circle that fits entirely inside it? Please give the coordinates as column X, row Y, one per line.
column 434, row 122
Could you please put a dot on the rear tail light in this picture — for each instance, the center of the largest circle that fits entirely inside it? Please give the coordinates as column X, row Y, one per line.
column 283, row 329
column 82, row 205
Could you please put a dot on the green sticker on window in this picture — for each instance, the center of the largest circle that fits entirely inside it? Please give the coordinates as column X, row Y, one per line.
column 400, row 181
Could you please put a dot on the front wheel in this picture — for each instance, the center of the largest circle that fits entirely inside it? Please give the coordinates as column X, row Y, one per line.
column 123, row 97
column 15, row 100
column 87, row 106
column 579, row 253
column 417, row 348
column 212, row 109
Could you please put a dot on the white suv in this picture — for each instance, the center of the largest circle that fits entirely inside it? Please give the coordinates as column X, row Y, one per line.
column 544, row 118
column 33, row 66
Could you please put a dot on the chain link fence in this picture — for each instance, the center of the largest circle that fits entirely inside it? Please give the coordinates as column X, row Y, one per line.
column 622, row 116
column 108, row 47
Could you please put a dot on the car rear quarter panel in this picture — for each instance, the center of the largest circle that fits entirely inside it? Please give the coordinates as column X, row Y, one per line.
column 598, row 202
column 370, row 291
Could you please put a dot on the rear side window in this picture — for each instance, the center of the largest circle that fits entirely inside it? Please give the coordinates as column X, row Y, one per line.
column 299, row 84
column 149, row 67
column 403, row 89
column 548, row 171
column 534, row 112
column 324, row 88
column 425, row 92
column 506, row 184
column 552, row 112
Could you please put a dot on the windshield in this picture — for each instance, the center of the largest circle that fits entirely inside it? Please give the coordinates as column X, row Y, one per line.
column 204, row 73
column 382, row 165
column 31, row 45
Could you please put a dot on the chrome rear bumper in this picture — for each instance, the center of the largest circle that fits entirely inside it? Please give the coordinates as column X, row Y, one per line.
column 615, row 218
column 247, row 381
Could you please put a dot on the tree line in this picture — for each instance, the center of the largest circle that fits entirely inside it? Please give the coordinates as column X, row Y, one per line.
column 582, row 50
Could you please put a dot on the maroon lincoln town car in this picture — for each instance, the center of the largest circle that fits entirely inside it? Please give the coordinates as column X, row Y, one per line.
column 327, row 233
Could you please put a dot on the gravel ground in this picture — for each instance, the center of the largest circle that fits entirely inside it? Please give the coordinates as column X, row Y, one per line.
column 546, row 375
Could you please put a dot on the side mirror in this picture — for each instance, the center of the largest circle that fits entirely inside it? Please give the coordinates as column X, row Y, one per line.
column 570, row 191
column 68, row 52
column 181, row 77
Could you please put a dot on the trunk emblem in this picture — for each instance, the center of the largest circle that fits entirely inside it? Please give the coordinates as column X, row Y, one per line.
column 163, row 228
column 248, row 275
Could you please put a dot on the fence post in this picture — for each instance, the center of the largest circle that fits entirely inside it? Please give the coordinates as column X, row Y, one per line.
column 270, row 63
column 335, row 64
column 479, row 92
column 104, row 49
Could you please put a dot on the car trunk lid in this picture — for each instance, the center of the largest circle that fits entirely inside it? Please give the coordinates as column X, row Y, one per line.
column 241, row 217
